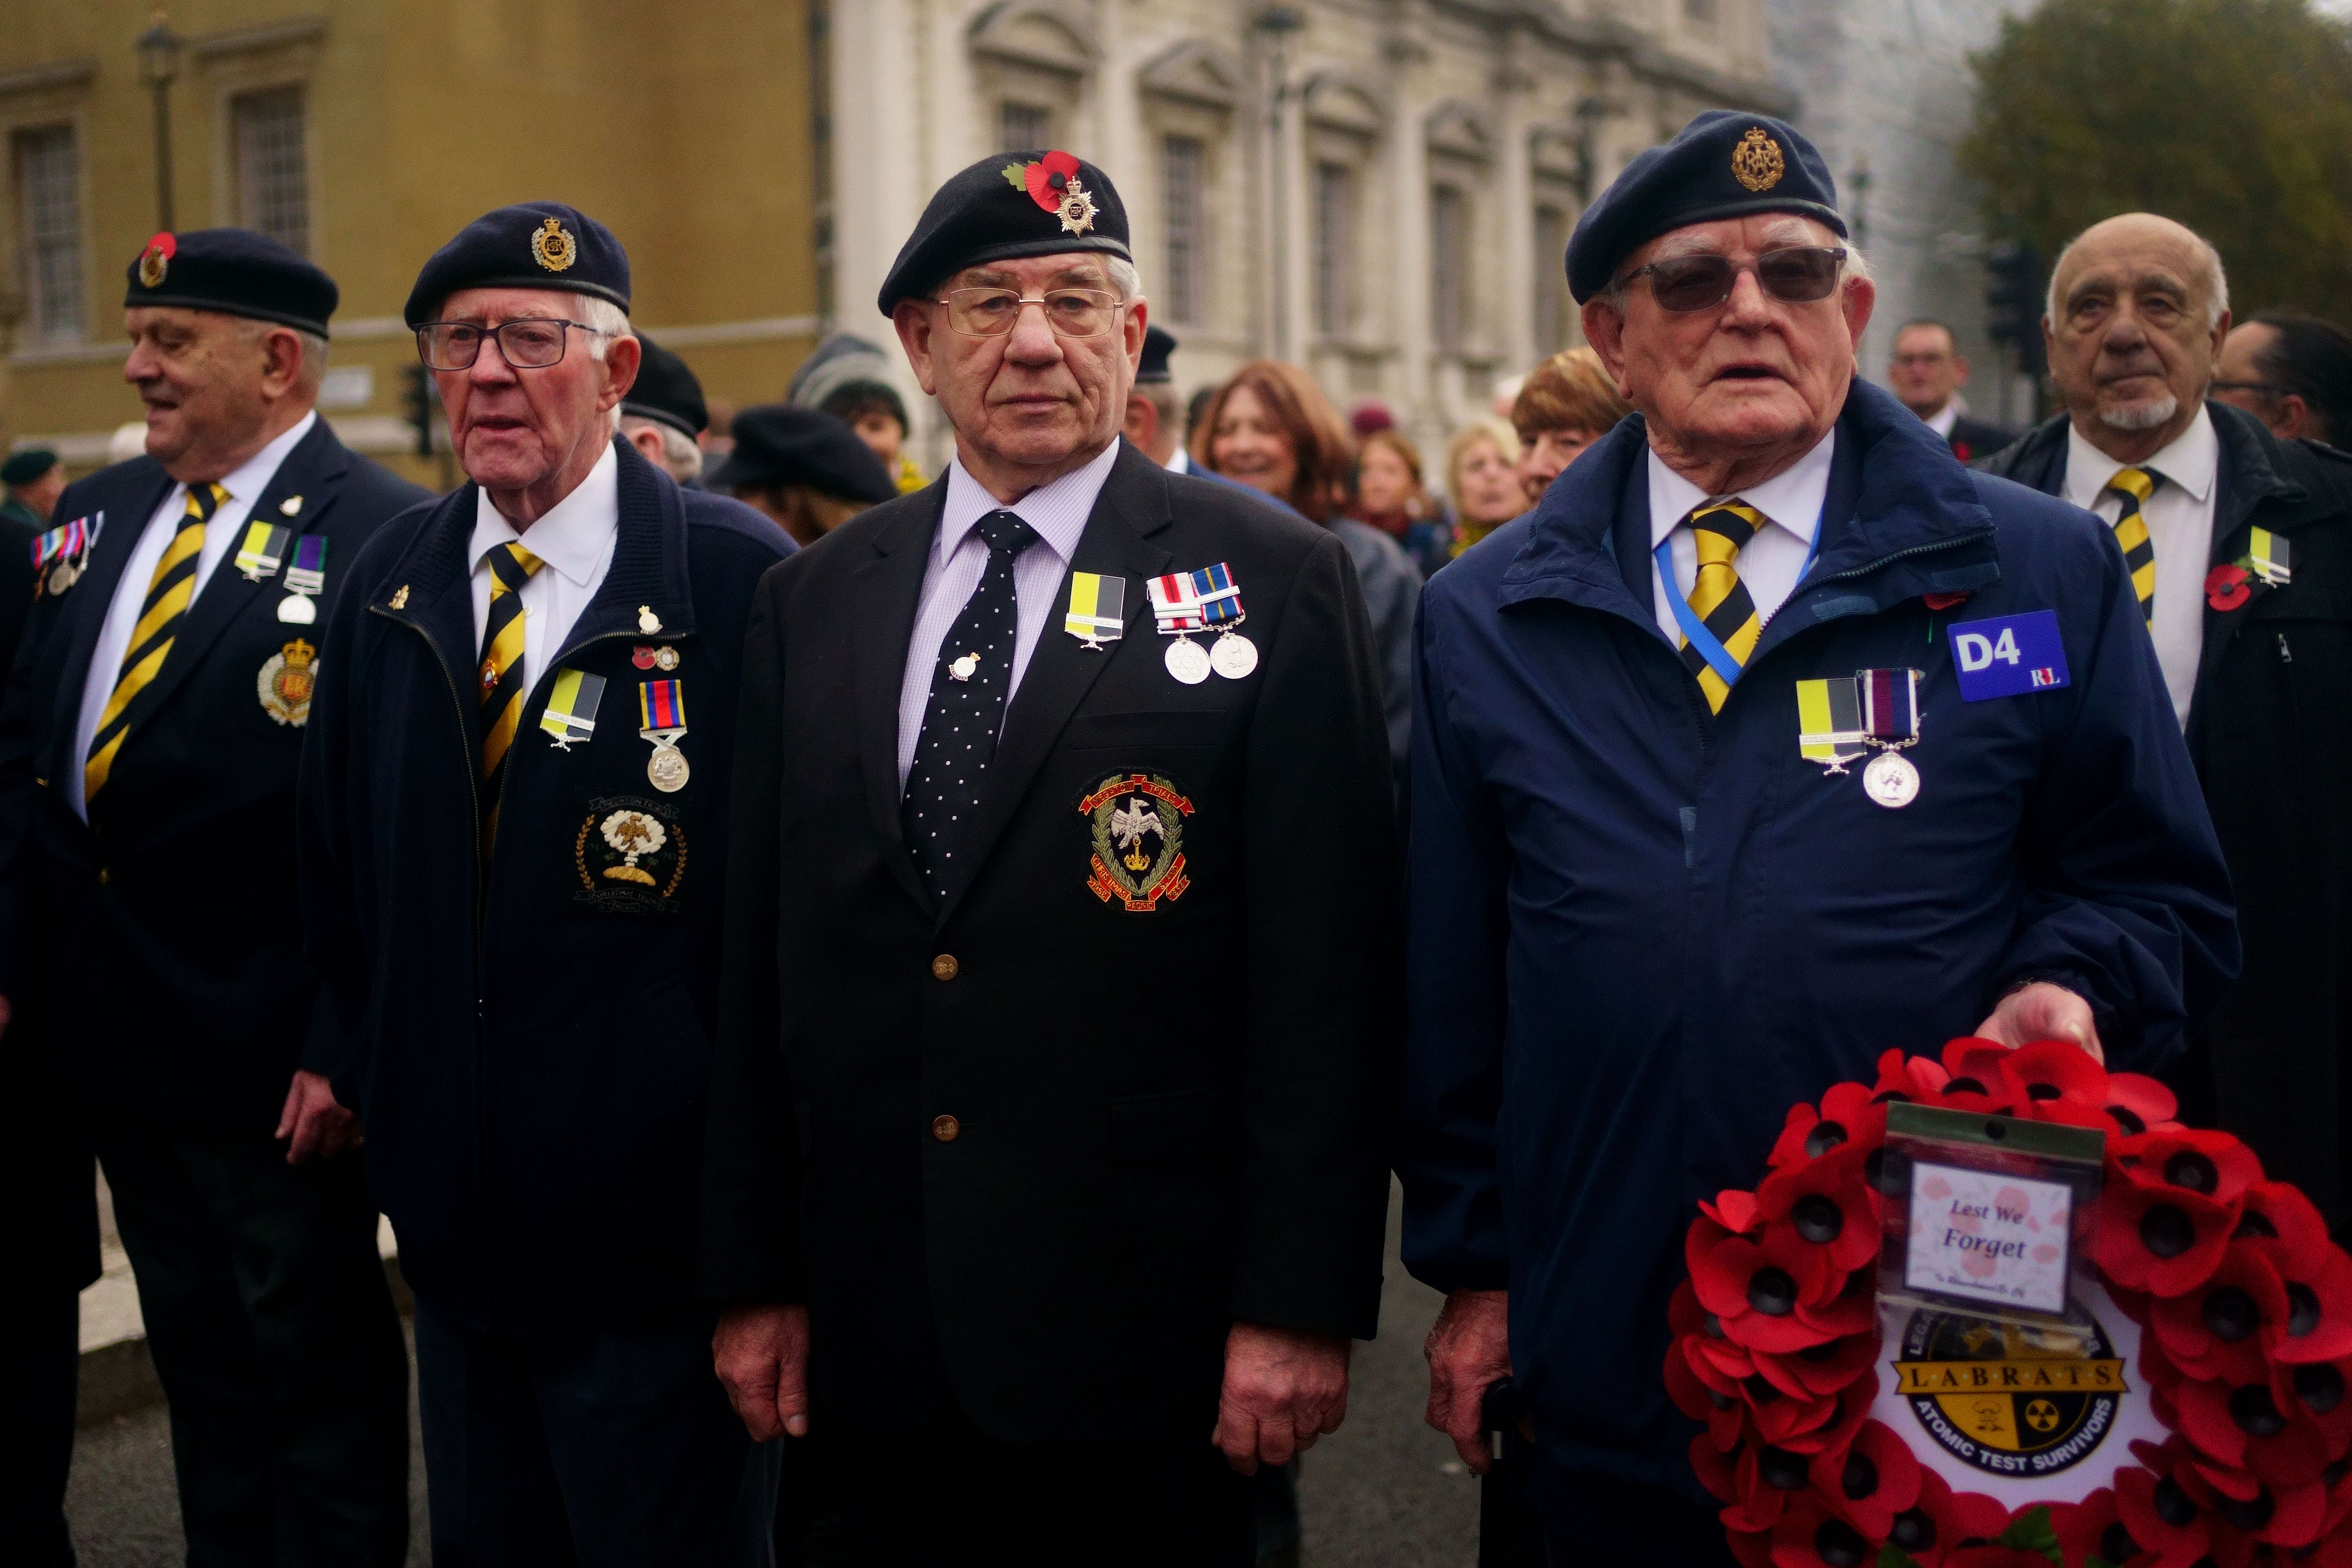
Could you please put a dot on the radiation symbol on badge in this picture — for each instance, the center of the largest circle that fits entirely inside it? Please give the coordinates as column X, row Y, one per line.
column 287, row 679
column 1136, row 822
column 630, row 855
column 2011, row 1399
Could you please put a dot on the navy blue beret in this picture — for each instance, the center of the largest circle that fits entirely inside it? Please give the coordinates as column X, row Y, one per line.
column 234, row 271
column 1722, row 164
column 782, row 444
column 23, row 468
column 667, row 389
column 1159, row 342
column 1009, row 205
column 531, row 245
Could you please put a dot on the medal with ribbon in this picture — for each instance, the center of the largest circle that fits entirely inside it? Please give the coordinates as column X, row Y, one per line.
column 1829, row 723
column 305, row 579
column 1233, row 656
column 1095, row 612
column 263, row 549
column 571, row 714
column 1889, row 704
column 64, row 550
column 1176, row 611
column 661, row 713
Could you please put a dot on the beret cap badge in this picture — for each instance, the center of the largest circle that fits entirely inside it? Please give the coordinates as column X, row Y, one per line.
column 1053, row 183
column 155, row 261
column 1756, row 163
column 552, row 246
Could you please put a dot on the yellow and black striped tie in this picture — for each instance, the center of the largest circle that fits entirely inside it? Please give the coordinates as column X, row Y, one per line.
column 2135, row 485
column 169, row 592
column 1717, row 597
column 501, row 672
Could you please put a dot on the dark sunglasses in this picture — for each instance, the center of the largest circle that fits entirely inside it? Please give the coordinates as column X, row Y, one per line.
column 1801, row 275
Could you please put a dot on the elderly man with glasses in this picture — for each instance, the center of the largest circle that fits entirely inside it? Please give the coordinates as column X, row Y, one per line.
column 1048, row 1141
column 514, row 837
column 1772, row 739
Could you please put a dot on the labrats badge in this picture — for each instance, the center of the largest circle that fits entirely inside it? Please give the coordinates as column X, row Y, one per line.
column 630, row 853
column 287, row 679
column 661, row 712
column 1136, row 827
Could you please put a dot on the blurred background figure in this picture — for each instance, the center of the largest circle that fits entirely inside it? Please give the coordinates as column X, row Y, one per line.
column 1369, row 416
column 1506, row 396
column 1927, row 373
column 849, row 377
column 2292, row 372
column 663, row 416
column 1391, row 496
column 1565, row 404
column 33, row 480
column 1271, row 429
column 805, row 469
column 718, row 436
column 1482, row 480
column 1155, row 420
column 128, row 441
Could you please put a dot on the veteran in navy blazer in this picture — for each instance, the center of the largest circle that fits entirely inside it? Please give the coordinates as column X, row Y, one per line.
column 149, row 923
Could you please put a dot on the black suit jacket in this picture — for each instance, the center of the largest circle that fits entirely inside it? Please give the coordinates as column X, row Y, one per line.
column 1974, row 439
column 1167, row 1118
column 2267, row 729
column 172, row 967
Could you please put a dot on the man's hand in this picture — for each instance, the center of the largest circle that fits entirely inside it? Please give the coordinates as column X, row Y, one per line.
column 314, row 1126
column 1469, row 1350
column 760, row 1354
column 1283, row 1388
column 2041, row 1011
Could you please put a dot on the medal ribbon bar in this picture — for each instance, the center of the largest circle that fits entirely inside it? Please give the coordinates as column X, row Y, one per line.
column 1175, row 606
column 572, row 705
column 1097, row 605
column 661, row 706
column 1215, row 591
column 1890, row 705
column 2267, row 558
column 263, row 549
column 308, row 573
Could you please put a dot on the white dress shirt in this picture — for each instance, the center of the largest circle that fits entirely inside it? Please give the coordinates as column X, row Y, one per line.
column 1058, row 512
column 574, row 537
column 2179, row 518
column 245, row 486
column 1771, row 562
column 1945, row 418
column 1182, row 462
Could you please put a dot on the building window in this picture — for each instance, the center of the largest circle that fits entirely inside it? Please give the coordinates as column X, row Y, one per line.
column 273, row 178
column 1335, row 242
column 1184, row 177
column 1552, row 299
column 1449, row 255
column 1026, row 128
column 49, row 184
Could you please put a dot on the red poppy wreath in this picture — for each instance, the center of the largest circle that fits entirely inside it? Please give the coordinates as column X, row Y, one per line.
column 2214, row 1308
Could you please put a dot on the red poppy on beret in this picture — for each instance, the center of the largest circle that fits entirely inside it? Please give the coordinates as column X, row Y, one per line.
column 1870, row 1480
column 1038, row 179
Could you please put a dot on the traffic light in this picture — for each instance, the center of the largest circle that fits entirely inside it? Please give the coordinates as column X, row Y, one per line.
column 416, row 399
column 2013, row 301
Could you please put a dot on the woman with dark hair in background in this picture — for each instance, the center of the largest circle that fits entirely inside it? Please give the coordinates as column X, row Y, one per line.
column 1271, row 427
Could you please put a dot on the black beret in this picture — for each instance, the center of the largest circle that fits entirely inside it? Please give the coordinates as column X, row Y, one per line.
column 1722, row 164
column 234, row 271
column 23, row 468
column 531, row 245
column 1159, row 342
column 667, row 389
column 782, row 444
column 1013, row 205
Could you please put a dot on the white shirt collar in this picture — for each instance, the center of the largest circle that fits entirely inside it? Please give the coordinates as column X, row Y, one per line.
column 1057, row 511
column 1791, row 499
column 247, row 481
column 573, row 536
column 2191, row 462
column 1944, row 418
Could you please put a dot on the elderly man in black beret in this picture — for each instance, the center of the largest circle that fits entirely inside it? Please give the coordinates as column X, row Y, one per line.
column 1773, row 738
column 664, row 416
column 807, row 469
column 514, row 837
column 1047, row 1150
column 149, row 749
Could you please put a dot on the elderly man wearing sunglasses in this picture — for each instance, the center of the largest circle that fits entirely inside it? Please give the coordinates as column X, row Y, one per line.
column 1772, row 739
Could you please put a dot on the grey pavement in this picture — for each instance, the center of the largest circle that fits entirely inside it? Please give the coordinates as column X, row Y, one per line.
column 1384, row 1492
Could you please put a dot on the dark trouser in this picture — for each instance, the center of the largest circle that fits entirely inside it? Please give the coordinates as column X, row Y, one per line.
column 1593, row 1522
column 946, row 1495
column 609, row 1447
column 40, row 1361
column 276, row 1341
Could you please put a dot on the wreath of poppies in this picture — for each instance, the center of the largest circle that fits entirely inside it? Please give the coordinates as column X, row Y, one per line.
column 2245, row 1304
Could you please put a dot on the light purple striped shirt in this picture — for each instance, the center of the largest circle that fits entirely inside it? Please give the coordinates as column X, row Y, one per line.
column 1058, row 512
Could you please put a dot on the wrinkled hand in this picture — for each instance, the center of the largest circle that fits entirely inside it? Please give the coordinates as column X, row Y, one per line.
column 2041, row 1011
column 760, row 1354
column 1469, row 1351
column 1284, row 1389
column 313, row 1125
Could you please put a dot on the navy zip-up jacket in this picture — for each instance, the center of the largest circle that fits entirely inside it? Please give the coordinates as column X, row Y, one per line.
column 528, row 1041
column 1641, row 932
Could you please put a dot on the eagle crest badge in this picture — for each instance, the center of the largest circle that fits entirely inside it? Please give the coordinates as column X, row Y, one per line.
column 1757, row 162
column 1136, row 825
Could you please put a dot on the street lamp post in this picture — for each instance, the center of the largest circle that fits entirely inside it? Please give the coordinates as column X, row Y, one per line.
column 158, row 62
column 1278, row 23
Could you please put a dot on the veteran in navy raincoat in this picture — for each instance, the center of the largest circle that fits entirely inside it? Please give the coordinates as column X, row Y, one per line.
column 1644, row 923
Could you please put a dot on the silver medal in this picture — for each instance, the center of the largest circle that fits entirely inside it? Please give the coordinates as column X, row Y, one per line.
column 666, row 769
column 62, row 575
column 1890, row 780
column 296, row 610
column 1188, row 661
column 1233, row 656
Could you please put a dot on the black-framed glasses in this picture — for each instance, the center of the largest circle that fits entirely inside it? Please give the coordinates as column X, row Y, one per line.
column 528, row 342
column 994, row 312
column 2268, row 388
column 1800, row 275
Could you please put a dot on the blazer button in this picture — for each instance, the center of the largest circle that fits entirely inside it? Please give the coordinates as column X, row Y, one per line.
column 943, row 967
column 945, row 1128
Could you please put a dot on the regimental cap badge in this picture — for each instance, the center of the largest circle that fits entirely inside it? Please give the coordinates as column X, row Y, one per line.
column 1053, row 183
column 287, row 681
column 155, row 261
column 1757, row 162
column 552, row 246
